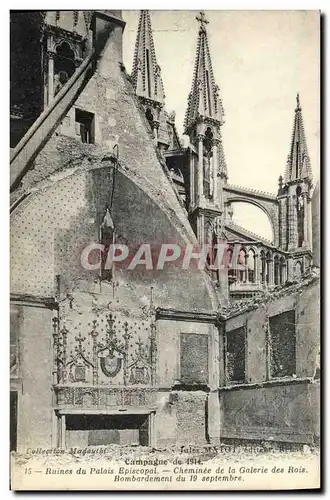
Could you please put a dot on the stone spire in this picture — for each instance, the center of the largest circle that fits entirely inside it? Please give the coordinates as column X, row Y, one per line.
column 222, row 163
column 203, row 100
column 146, row 73
column 298, row 165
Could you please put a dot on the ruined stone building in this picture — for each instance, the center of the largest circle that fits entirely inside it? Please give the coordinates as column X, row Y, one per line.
column 148, row 356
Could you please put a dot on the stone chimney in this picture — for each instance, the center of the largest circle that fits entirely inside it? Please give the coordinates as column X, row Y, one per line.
column 108, row 27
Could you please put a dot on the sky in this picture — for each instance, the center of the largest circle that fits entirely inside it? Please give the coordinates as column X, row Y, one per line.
column 261, row 59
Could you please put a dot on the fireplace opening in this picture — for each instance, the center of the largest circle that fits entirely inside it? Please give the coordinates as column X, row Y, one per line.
column 103, row 430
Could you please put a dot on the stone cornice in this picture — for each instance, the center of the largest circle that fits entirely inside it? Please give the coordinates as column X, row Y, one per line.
column 270, row 383
column 177, row 315
column 32, row 301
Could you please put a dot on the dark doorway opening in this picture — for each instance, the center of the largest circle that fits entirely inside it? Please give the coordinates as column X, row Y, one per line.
column 13, row 420
column 102, row 430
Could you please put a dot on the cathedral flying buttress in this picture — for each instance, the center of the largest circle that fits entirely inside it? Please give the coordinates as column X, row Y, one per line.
column 200, row 176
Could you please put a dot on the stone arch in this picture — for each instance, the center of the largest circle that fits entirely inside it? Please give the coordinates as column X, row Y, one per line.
column 253, row 248
column 271, row 216
column 64, row 64
column 66, row 48
column 266, row 202
column 149, row 117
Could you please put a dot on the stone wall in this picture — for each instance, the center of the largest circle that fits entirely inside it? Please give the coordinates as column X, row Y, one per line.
column 35, row 412
column 286, row 409
column 186, row 416
column 191, row 417
column 277, row 413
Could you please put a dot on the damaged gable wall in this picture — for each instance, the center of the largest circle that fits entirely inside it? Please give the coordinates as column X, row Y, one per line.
column 145, row 206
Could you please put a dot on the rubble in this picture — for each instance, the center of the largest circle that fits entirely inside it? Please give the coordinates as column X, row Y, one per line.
column 260, row 298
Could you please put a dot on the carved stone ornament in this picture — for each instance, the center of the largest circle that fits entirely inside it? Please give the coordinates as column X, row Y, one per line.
column 110, row 362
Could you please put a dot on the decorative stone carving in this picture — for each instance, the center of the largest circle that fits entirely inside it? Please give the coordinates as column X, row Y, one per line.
column 140, row 368
column 84, row 365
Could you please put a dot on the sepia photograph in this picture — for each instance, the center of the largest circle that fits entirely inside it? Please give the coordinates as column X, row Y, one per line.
column 165, row 250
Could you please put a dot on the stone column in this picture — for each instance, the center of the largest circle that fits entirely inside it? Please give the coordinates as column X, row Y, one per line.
column 54, row 430
column 50, row 77
column 200, row 229
column 309, row 223
column 246, row 272
column 215, row 170
column 284, row 272
column 271, row 271
column 200, row 138
column 214, row 417
column 289, row 274
column 155, row 127
column 63, row 430
column 192, row 181
column 257, row 268
column 152, row 433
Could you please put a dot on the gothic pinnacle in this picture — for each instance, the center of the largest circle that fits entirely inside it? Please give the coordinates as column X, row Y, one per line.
column 202, row 20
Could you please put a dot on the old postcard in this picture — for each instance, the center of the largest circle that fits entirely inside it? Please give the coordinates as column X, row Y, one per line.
column 165, row 250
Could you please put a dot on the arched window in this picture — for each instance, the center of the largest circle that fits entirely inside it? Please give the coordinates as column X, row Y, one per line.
column 300, row 216
column 276, row 270
column 298, row 270
column 150, row 117
column 206, row 176
column 242, row 263
column 251, row 263
column 228, row 262
column 208, row 140
column 207, row 154
column 64, row 65
column 227, row 257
